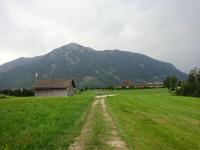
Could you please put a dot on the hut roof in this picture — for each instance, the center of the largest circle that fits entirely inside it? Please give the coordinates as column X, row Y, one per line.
column 53, row 84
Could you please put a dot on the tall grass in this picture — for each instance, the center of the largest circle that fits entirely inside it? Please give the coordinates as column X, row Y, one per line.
column 42, row 123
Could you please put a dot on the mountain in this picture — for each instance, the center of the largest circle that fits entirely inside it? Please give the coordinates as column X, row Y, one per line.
column 18, row 62
column 88, row 67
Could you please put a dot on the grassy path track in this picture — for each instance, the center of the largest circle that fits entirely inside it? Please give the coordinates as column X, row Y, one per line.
column 115, row 141
column 80, row 141
column 99, row 131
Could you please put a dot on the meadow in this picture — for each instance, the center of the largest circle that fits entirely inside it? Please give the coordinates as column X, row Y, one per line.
column 42, row 123
column 152, row 119
column 147, row 119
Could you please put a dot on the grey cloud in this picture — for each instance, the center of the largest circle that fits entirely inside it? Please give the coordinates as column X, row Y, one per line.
column 164, row 29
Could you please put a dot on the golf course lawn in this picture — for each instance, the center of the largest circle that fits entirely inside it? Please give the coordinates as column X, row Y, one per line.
column 152, row 119
column 42, row 123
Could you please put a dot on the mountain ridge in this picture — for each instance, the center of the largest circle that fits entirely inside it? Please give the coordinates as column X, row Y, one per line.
column 87, row 66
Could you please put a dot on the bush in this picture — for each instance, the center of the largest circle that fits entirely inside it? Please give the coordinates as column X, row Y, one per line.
column 191, row 87
column 2, row 96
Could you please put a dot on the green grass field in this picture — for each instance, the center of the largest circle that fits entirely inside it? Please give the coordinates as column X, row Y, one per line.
column 42, row 123
column 152, row 119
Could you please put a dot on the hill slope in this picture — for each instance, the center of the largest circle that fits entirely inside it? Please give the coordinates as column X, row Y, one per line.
column 86, row 66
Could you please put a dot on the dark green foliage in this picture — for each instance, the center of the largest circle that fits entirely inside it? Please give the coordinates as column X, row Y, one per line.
column 18, row 92
column 171, row 83
column 191, row 87
column 87, row 67
column 167, row 82
column 185, row 89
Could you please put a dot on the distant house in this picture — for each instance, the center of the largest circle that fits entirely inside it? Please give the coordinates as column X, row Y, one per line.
column 155, row 85
column 149, row 85
column 127, row 84
column 54, row 87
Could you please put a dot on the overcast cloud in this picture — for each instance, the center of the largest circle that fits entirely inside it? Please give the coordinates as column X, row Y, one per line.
column 168, row 30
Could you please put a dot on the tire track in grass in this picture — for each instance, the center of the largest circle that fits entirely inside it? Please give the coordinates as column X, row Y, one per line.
column 99, row 130
column 114, row 141
column 81, row 140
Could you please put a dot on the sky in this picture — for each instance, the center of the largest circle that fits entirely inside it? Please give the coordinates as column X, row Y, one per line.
column 168, row 30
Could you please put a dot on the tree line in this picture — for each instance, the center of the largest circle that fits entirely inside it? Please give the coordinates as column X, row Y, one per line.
column 17, row 92
column 190, row 87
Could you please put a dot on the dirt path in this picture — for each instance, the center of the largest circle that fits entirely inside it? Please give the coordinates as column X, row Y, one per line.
column 114, row 141
column 81, row 140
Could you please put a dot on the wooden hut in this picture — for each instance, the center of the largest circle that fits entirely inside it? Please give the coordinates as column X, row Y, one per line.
column 54, row 87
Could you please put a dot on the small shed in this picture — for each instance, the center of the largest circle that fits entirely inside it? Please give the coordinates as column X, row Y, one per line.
column 54, row 87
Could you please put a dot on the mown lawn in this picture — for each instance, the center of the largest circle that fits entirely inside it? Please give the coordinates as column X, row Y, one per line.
column 42, row 123
column 154, row 120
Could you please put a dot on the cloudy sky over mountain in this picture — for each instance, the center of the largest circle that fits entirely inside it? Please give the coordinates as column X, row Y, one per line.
column 164, row 29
